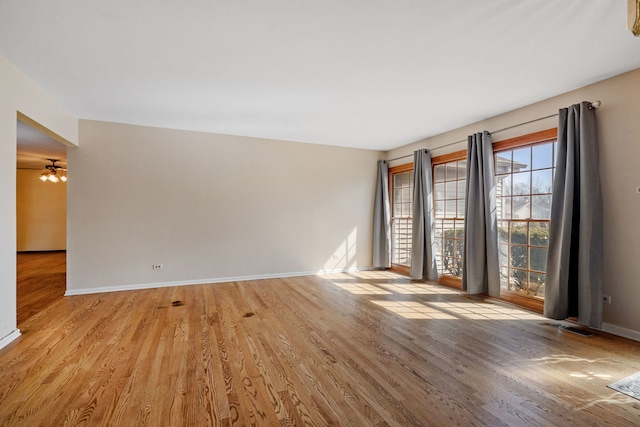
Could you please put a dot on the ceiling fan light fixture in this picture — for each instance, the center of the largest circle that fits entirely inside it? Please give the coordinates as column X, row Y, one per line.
column 54, row 173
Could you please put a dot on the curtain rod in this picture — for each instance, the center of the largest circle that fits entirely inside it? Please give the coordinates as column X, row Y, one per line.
column 592, row 106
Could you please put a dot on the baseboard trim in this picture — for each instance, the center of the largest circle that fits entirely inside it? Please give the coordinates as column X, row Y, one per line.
column 135, row 287
column 9, row 338
column 621, row 332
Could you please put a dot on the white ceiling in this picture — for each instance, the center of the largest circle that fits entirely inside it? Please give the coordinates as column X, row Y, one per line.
column 35, row 149
column 363, row 73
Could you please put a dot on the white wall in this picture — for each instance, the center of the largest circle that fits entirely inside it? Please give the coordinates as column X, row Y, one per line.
column 41, row 213
column 19, row 94
column 210, row 207
column 619, row 131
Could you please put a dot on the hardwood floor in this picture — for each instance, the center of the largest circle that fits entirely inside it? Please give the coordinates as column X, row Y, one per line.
column 369, row 348
column 41, row 280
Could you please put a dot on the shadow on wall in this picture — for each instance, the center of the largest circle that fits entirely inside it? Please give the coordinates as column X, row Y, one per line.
column 345, row 254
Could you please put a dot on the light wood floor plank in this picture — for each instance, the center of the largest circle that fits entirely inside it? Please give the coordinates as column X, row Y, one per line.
column 369, row 348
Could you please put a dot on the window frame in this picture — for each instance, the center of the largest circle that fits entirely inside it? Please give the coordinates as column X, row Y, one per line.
column 444, row 279
column 545, row 136
column 407, row 167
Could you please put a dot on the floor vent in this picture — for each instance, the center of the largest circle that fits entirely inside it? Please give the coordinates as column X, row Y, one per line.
column 574, row 330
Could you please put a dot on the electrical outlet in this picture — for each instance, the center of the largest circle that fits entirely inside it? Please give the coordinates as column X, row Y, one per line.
column 158, row 266
column 336, row 256
column 606, row 299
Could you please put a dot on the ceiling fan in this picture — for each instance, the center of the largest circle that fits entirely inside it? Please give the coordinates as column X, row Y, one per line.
column 54, row 173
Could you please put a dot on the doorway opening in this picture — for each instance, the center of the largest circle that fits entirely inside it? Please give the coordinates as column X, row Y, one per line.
column 41, row 219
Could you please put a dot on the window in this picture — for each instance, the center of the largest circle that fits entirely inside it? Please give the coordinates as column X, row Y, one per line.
column 449, row 186
column 401, row 185
column 524, row 181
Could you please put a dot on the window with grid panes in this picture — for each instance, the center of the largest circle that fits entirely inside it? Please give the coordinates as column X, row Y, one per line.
column 449, row 184
column 401, row 211
column 524, row 181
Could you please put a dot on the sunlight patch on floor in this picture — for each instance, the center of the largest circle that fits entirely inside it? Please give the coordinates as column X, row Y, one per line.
column 361, row 288
column 413, row 310
column 590, row 375
column 417, row 288
column 480, row 311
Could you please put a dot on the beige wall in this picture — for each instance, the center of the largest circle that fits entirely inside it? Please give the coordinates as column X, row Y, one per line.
column 619, row 129
column 19, row 94
column 211, row 207
column 41, row 213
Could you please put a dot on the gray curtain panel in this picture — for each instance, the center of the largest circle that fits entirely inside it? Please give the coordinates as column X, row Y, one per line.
column 574, row 262
column 480, row 264
column 423, row 261
column 382, row 219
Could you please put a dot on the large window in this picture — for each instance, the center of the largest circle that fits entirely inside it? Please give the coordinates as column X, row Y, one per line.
column 449, row 185
column 401, row 185
column 524, row 171
column 524, row 180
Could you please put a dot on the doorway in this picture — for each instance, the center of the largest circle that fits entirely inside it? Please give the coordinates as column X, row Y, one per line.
column 41, row 216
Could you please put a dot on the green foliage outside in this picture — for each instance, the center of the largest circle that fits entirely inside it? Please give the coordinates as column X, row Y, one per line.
column 538, row 236
column 452, row 252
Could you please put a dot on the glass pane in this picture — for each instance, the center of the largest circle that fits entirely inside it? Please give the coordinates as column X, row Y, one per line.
column 522, row 159
column 439, row 209
column 437, row 248
column 539, row 234
column 503, row 232
column 541, row 207
column 405, row 209
column 503, row 206
column 438, row 228
column 462, row 188
column 521, row 183
column 504, row 278
column 503, row 185
column 461, row 205
column 542, row 156
column 518, row 233
column 541, row 182
column 518, row 280
column 448, row 225
column 450, row 190
column 502, row 162
column 519, row 256
column 462, row 169
column 438, row 173
column 536, row 284
column 439, row 191
column 397, row 196
column 458, row 268
column 448, row 266
column 538, row 259
column 406, row 194
column 452, row 171
column 503, row 255
column 450, row 208
column 521, row 208
column 459, row 249
column 459, row 229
